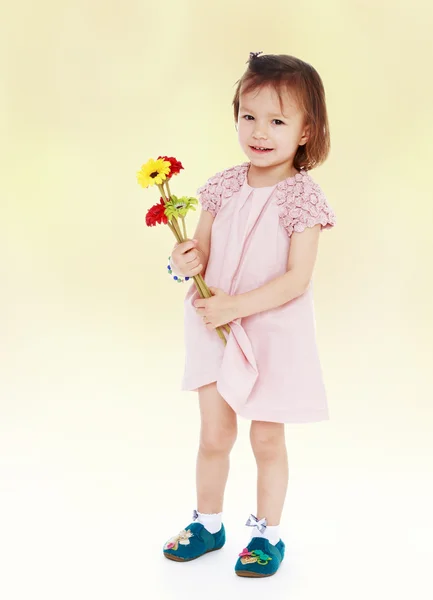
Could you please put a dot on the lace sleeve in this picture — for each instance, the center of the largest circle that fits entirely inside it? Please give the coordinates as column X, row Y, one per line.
column 303, row 204
column 221, row 187
column 209, row 195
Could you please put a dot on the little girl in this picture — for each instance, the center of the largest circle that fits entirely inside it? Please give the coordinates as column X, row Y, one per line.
column 256, row 242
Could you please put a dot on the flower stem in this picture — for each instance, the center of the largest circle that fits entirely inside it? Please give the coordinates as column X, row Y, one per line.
column 177, row 228
column 161, row 189
column 184, row 228
column 209, row 295
column 175, row 233
column 204, row 292
column 200, row 283
column 221, row 335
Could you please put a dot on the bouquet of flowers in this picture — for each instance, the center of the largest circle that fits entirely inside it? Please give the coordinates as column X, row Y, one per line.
column 172, row 211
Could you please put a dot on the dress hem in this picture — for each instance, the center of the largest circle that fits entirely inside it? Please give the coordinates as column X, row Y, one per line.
column 275, row 417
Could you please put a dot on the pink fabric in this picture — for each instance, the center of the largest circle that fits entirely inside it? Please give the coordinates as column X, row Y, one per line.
column 270, row 369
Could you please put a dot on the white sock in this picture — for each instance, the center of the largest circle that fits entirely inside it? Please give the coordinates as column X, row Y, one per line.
column 271, row 533
column 210, row 522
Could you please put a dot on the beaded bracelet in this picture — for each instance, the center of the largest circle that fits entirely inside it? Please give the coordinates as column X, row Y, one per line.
column 175, row 277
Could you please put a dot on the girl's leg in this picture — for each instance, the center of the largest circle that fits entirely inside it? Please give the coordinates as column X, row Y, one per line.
column 269, row 447
column 265, row 551
column 217, row 437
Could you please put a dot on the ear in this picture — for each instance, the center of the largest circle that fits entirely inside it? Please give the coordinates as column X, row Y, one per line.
column 305, row 135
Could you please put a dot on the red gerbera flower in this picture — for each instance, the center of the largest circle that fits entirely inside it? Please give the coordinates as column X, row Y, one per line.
column 155, row 214
column 176, row 165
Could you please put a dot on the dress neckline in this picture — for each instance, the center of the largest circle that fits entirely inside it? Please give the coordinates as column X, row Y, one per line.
column 267, row 187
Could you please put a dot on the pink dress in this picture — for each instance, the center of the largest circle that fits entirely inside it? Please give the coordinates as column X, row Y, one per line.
column 270, row 369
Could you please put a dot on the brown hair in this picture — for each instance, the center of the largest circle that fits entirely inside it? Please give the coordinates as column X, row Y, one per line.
column 290, row 74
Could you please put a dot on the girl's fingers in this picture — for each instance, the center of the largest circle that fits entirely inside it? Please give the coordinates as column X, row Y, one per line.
column 184, row 266
column 186, row 246
column 191, row 253
column 191, row 262
column 195, row 271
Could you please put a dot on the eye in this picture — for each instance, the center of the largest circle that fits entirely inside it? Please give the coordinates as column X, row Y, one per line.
column 245, row 117
column 279, row 122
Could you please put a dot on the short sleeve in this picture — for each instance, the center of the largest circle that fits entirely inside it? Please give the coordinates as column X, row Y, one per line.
column 303, row 204
column 221, row 188
column 209, row 195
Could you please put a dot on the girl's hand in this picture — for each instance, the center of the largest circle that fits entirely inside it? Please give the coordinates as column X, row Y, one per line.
column 185, row 259
column 218, row 310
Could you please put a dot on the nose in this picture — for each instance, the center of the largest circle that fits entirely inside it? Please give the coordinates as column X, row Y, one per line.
column 259, row 133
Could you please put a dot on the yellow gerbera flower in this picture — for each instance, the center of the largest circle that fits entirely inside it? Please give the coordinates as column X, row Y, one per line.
column 153, row 172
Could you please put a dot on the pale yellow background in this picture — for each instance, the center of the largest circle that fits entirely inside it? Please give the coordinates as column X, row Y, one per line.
column 97, row 443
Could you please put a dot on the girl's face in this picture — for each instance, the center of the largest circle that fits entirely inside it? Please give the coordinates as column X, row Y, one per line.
column 261, row 124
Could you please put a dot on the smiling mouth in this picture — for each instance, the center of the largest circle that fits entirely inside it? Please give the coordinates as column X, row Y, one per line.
column 261, row 149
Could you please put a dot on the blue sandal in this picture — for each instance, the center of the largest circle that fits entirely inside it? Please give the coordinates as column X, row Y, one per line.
column 260, row 558
column 193, row 541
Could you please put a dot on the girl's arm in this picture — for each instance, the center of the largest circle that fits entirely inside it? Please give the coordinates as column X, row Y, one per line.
column 282, row 289
column 203, row 236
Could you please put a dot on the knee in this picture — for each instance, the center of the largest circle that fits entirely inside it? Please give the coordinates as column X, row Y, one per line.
column 267, row 439
column 217, row 439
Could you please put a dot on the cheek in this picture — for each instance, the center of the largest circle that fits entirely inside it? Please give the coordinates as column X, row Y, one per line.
column 243, row 132
column 240, row 135
column 285, row 139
